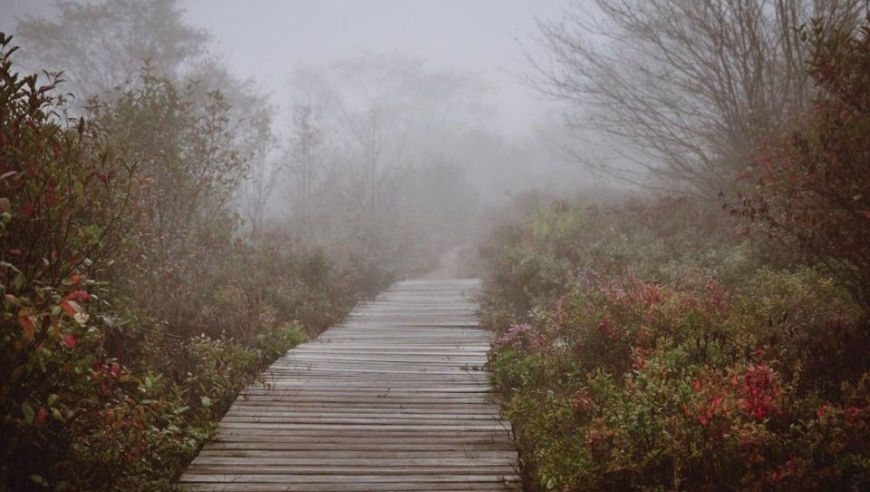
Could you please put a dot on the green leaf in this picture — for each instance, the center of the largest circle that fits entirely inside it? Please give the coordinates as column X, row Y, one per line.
column 29, row 413
column 38, row 479
column 18, row 281
column 92, row 233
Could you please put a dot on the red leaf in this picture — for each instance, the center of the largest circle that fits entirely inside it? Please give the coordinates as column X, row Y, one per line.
column 70, row 307
column 41, row 414
column 78, row 295
column 69, row 340
column 28, row 322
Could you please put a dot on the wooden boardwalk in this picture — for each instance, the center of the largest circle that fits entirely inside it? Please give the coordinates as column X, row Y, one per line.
column 393, row 399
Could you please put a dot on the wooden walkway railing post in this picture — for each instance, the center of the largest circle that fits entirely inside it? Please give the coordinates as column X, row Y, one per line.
column 393, row 399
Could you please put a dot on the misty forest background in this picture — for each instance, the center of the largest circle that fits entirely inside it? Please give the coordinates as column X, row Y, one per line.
column 676, row 271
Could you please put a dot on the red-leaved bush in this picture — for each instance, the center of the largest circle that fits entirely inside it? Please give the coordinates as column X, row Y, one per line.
column 811, row 187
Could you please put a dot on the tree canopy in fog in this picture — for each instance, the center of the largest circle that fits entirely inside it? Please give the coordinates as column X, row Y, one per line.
column 370, row 119
column 102, row 46
column 172, row 228
column 687, row 88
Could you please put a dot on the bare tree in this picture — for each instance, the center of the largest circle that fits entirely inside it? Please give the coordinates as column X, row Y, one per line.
column 381, row 108
column 687, row 88
column 304, row 158
column 263, row 175
column 101, row 46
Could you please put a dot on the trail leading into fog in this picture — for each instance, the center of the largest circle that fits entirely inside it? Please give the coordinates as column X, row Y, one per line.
column 449, row 265
column 394, row 398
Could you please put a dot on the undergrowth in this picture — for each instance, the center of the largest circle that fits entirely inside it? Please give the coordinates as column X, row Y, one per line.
column 646, row 346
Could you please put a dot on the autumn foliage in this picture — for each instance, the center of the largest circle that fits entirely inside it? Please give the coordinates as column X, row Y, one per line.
column 132, row 311
column 668, row 345
column 63, row 199
column 659, row 352
column 811, row 187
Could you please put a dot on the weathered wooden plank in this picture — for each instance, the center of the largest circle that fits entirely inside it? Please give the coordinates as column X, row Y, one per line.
column 337, row 469
column 372, row 415
column 351, row 487
column 393, row 398
column 331, row 478
column 318, row 435
column 338, row 397
column 337, row 445
column 397, row 408
column 396, row 456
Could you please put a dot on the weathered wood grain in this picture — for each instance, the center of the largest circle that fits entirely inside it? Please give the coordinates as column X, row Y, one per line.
column 393, row 398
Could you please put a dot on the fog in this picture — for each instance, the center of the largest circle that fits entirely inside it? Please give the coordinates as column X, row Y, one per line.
column 662, row 204
column 506, row 145
column 352, row 119
column 265, row 40
column 269, row 38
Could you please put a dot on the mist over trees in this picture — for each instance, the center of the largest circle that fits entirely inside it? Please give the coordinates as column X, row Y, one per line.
column 364, row 138
column 103, row 46
column 377, row 119
column 168, row 228
column 165, row 236
column 686, row 89
column 715, row 336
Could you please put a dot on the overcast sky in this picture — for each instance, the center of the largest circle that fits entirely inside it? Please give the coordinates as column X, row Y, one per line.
column 265, row 39
column 269, row 37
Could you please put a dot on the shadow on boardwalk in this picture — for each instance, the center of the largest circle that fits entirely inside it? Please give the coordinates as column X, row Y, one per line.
column 395, row 398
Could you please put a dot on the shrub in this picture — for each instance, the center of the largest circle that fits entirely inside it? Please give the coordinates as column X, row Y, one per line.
column 811, row 188
column 123, row 343
column 676, row 369
column 659, row 240
column 63, row 200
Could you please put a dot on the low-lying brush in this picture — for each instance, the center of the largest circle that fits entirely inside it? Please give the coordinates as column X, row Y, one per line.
column 635, row 354
column 124, row 335
column 660, row 346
